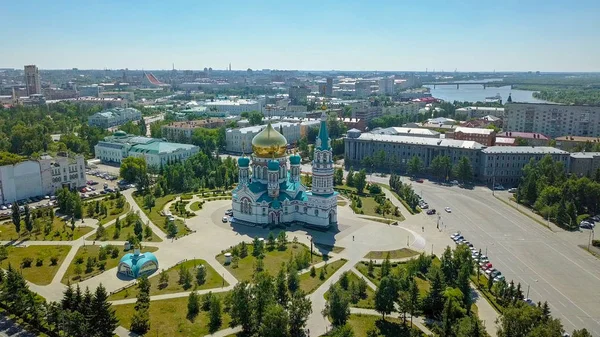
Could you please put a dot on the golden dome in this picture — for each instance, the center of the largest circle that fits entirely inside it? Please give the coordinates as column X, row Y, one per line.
column 269, row 143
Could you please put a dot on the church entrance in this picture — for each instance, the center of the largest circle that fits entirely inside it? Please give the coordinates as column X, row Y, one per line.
column 274, row 218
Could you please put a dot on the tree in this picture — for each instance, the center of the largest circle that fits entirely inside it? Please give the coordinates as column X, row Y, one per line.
column 281, row 240
column 386, row 266
column 464, row 170
column 275, row 322
column 441, row 166
column 193, row 306
column 299, row 310
column 171, row 229
column 140, row 321
column 414, row 165
column 163, row 279
column 200, row 275
column 360, row 180
column 103, row 322
column 342, row 331
column 240, row 306
column 255, row 118
column 344, row 281
column 338, row 176
column 28, row 220
column 16, row 218
column 464, row 285
column 281, row 287
column 132, row 168
column 350, row 178
column 147, row 232
column 337, row 307
column 581, row 333
column 386, row 295
column 257, row 247
column 413, row 293
column 271, row 241
column 138, row 229
column 518, row 321
column 149, row 201
column 185, row 277
column 434, row 301
column 215, row 319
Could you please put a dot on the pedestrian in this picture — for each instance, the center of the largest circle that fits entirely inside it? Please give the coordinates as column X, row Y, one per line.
column 352, row 237
column 423, row 228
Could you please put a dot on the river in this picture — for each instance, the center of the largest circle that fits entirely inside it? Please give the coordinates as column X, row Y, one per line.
column 476, row 92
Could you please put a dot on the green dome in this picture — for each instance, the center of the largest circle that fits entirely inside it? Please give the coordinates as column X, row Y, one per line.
column 243, row 161
column 295, row 159
column 120, row 133
column 273, row 165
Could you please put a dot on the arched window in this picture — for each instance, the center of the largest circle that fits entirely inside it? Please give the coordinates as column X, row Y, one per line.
column 264, row 172
column 316, row 212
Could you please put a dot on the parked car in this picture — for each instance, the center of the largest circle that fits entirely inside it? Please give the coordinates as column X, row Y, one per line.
column 229, row 212
column 498, row 278
column 454, row 182
column 431, row 211
column 512, row 190
column 3, row 207
column 419, row 181
column 586, row 225
column 499, row 188
column 225, row 219
column 424, row 206
column 448, row 210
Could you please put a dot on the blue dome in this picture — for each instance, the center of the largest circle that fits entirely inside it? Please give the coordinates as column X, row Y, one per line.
column 134, row 265
column 273, row 165
column 295, row 159
column 243, row 161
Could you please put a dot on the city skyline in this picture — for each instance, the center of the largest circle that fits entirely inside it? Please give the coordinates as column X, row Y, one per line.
column 382, row 36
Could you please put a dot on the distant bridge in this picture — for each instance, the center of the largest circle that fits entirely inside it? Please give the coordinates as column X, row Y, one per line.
column 499, row 84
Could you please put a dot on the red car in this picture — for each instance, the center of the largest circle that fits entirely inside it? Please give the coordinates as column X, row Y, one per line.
column 419, row 180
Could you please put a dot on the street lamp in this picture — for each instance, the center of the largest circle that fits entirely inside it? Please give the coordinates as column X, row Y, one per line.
column 311, row 248
column 591, row 238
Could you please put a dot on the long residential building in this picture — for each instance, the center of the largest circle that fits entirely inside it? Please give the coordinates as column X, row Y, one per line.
column 44, row 176
column 554, row 120
column 234, row 107
column 114, row 148
column 114, row 117
column 585, row 163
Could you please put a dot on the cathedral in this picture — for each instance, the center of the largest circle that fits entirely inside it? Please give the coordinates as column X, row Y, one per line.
column 270, row 192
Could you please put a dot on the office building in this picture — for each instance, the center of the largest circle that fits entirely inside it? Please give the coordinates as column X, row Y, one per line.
column 399, row 149
column 585, row 164
column 504, row 165
column 329, row 87
column 114, row 148
column 482, row 136
column 298, row 94
column 114, row 117
column 386, row 86
column 44, row 176
column 363, row 88
column 480, row 111
column 403, row 131
column 32, row 80
column 554, row 120
column 183, row 131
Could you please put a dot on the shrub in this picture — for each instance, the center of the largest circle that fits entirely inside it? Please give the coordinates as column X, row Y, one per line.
column 101, row 265
column 53, row 260
column 596, row 243
column 26, row 262
column 39, row 262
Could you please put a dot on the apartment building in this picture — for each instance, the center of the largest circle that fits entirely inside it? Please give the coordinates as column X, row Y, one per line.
column 114, row 117
column 482, row 136
column 183, row 131
column 554, row 120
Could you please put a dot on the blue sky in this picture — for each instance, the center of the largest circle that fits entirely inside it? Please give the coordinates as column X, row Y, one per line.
column 469, row 35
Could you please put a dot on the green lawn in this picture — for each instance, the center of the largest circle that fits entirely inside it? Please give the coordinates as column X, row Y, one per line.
column 59, row 230
column 93, row 251
column 156, row 217
column 393, row 254
column 123, row 234
column 272, row 261
column 368, row 208
column 310, row 284
column 113, row 211
column 40, row 275
column 390, row 327
column 213, row 280
column 368, row 302
column 329, row 248
column 168, row 318
column 196, row 206
column 180, row 209
column 362, row 267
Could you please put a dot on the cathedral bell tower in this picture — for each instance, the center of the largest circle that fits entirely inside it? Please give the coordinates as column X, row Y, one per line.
column 273, row 178
column 322, row 168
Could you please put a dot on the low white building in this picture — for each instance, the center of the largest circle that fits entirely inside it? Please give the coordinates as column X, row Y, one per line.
column 234, row 107
column 41, row 177
column 113, row 149
column 480, row 111
column 114, row 117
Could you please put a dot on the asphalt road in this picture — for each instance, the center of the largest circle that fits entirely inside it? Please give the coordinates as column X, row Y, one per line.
column 550, row 264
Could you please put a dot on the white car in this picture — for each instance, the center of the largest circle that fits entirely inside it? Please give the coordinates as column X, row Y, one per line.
column 225, row 219
column 448, row 210
column 3, row 207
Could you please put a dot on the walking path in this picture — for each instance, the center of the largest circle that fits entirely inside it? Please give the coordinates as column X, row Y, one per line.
column 418, row 321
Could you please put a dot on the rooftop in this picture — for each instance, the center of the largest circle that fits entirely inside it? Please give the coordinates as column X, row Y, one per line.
column 160, row 147
column 404, row 130
column 585, row 155
column 195, row 124
column 460, row 144
column 523, row 150
column 229, row 102
column 479, row 131
column 505, row 140
column 524, row 135
column 579, row 139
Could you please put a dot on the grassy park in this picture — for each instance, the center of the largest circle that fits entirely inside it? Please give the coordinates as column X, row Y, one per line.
column 168, row 318
column 44, row 229
column 155, row 214
column 213, row 280
column 38, row 264
column 310, row 283
column 366, row 301
column 393, row 254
